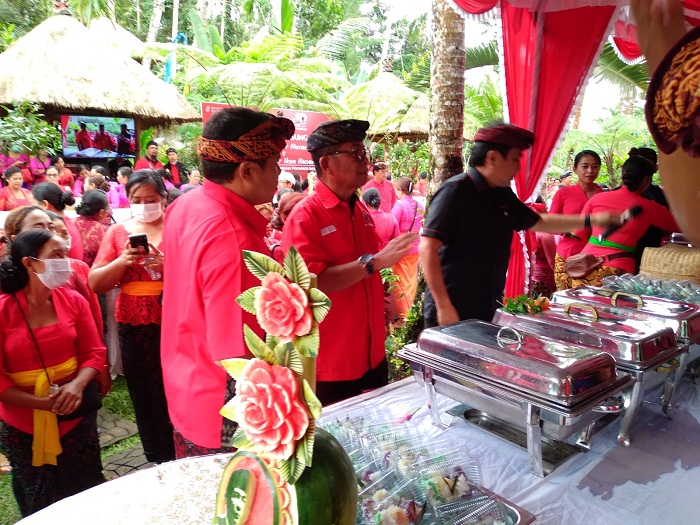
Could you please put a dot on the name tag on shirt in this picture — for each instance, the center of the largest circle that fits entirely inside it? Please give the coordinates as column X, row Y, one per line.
column 328, row 229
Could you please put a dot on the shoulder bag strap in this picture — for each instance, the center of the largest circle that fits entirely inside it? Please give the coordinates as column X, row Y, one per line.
column 36, row 343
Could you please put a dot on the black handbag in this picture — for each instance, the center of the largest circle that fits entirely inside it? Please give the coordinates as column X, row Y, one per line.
column 92, row 401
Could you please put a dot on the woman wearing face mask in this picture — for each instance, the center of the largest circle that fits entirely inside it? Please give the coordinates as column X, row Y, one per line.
column 52, row 198
column 65, row 351
column 138, row 308
column 34, row 218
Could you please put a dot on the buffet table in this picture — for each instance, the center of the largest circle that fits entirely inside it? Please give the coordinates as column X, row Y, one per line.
column 653, row 481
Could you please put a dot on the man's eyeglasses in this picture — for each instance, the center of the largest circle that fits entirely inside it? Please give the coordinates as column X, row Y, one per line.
column 360, row 153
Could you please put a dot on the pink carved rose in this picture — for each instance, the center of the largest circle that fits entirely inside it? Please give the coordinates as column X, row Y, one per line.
column 282, row 308
column 268, row 410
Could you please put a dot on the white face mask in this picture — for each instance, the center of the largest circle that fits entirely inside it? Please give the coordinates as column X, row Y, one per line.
column 150, row 212
column 68, row 243
column 56, row 273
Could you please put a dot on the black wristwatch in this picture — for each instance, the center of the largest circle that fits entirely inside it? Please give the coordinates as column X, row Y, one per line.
column 367, row 262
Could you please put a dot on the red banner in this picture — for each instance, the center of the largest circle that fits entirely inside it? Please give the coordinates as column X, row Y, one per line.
column 294, row 157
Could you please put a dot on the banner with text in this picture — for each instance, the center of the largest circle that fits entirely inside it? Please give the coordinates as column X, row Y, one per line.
column 294, row 157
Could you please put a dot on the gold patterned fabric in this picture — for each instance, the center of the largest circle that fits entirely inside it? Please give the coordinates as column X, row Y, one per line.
column 561, row 278
column 260, row 143
column 595, row 277
column 673, row 99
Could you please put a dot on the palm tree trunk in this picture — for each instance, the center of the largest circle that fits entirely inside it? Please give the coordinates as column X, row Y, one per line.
column 447, row 86
column 223, row 20
column 176, row 18
column 158, row 7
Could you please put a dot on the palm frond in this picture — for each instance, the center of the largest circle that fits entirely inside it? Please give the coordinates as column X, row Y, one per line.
column 628, row 78
column 339, row 42
column 482, row 55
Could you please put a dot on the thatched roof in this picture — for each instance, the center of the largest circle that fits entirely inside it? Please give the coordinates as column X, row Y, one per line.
column 64, row 68
column 413, row 125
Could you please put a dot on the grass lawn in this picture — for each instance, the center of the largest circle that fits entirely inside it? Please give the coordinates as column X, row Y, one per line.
column 118, row 402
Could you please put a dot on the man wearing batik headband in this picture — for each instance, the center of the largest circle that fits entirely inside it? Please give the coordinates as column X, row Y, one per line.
column 204, row 234
column 335, row 235
column 465, row 241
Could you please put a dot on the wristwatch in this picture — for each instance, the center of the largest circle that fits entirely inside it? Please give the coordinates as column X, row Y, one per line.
column 367, row 262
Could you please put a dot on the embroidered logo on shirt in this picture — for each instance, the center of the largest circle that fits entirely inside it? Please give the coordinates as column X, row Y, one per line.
column 328, row 229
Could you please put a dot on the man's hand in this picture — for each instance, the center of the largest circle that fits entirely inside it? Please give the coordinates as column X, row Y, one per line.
column 395, row 250
column 447, row 314
column 660, row 24
column 605, row 219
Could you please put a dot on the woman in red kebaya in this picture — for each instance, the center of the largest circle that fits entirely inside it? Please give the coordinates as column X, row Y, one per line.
column 570, row 200
column 636, row 178
column 51, row 351
column 138, row 272
column 14, row 195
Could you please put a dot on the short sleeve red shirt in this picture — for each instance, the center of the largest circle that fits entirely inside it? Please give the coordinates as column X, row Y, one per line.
column 653, row 214
column 328, row 232
column 130, row 309
column 205, row 232
column 386, row 192
column 570, row 200
column 74, row 335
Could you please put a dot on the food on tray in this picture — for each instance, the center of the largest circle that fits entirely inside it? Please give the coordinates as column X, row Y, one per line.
column 444, row 489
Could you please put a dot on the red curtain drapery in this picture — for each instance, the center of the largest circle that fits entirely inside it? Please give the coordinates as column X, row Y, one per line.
column 547, row 59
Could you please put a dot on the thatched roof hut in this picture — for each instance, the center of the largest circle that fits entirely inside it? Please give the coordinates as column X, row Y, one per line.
column 413, row 125
column 62, row 66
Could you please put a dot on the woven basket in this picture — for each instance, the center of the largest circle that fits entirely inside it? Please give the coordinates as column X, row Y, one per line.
column 672, row 261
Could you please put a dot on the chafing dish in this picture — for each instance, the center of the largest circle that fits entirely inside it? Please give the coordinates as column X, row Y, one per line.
column 548, row 389
column 642, row 347
column 682, row 318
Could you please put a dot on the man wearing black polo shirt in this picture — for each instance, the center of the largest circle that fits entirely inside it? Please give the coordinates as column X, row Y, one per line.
column 465, row 241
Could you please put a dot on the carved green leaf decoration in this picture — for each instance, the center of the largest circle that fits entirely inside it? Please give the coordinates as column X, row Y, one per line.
column 296, row 268
column 260, row 265
column 229, row 410
column 234, row 366
column 240, row 494
column 291, row 468
column 247, row 300
column 308, row 344
column 320, row 304
column 272, row 340
column 312, row 401
column 289, row 357
column 305, row 447
column 240, row 440
column 258, row 347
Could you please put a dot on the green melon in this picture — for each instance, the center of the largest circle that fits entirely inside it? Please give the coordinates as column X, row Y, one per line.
column 325, row 494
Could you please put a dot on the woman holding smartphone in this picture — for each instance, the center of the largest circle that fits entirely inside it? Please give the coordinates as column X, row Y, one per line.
column 124, row 261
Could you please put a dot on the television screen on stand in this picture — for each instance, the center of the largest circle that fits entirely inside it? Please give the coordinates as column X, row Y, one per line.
column 87, row 137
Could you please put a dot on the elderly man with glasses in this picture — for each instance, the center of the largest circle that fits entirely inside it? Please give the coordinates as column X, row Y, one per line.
column 335, row 235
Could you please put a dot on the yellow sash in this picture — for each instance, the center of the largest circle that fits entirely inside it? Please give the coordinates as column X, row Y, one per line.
column 142, row 288
column 47, row 443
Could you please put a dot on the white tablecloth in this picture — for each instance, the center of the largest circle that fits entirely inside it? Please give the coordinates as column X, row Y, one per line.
column 654, row 481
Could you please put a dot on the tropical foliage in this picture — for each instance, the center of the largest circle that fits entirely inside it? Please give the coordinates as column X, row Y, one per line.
column 25, row 127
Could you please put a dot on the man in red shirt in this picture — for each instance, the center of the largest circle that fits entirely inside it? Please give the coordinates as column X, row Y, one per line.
column 176, row 168
column 103, row 140
column 335, row 235
column 82, row 137
column 204, row 234
column 385, row 187
column 150, row 161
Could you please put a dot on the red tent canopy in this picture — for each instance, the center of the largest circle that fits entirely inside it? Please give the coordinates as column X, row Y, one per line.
column 550, row 48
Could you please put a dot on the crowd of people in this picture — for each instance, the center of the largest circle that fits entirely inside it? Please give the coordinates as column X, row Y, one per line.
column 179, row 265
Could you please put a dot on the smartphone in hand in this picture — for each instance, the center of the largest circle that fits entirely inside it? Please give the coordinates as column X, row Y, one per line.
column 139, row 239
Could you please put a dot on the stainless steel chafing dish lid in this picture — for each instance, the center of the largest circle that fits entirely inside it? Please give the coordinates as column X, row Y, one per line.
column 632, row 342
column 553, row 370
column 682, row 318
